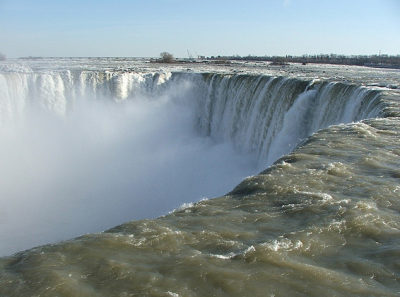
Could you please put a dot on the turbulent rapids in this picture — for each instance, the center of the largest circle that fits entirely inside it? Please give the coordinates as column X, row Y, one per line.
column 88, row 145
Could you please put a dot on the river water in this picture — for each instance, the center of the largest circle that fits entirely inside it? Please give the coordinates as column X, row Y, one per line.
column 320, row 219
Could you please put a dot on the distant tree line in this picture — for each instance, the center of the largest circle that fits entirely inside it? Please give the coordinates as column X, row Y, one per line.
column 360, row 60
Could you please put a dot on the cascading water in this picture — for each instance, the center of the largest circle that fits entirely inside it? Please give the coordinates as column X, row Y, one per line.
column 269, row 116
column 264, row 115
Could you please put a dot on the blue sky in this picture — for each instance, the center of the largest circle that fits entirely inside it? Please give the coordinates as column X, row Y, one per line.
column 145, row 28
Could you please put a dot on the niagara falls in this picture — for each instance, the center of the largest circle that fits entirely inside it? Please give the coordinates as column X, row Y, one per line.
column 221, row 165
column 167, row 148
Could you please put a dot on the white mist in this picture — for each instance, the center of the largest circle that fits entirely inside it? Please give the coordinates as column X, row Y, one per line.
column 106, row 163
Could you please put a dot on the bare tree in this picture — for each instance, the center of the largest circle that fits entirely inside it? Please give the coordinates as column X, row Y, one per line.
column 2, row 57
column 166, row 57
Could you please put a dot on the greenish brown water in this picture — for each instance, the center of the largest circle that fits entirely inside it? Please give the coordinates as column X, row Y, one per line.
column 322, row 221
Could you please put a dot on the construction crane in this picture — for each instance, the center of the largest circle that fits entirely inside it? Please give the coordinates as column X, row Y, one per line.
column 190, row 55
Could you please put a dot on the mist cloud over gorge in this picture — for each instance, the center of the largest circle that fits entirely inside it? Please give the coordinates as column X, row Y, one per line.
column 106, row 163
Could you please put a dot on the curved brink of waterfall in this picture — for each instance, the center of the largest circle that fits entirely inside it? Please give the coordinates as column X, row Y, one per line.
column 264, row 115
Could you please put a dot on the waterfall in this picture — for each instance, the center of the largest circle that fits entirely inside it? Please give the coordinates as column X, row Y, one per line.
column 264, row 115
column 269, row 116
column 87, row 150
